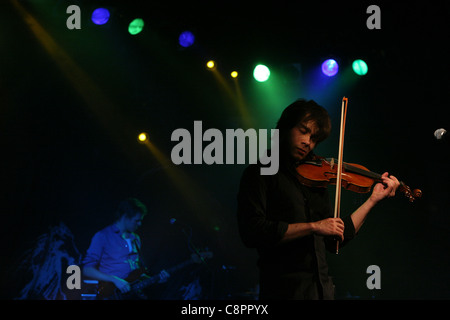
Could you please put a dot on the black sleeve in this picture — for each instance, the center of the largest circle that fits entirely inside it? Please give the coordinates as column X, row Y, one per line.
column 255, row 228
column 349, row 234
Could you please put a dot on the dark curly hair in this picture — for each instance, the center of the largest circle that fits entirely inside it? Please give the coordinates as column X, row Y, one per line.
column 130, row 207
column 303, row 111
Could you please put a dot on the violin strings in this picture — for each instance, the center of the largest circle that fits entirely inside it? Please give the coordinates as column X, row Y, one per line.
column 368, row 174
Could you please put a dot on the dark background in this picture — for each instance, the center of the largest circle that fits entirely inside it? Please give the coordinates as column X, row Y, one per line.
column 71, row 112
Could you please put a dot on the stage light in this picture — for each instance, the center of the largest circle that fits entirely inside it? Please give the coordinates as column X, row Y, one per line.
column 142, row 137
column 360, row 67
column 234, row 74
column 210, row 64
column 261, row 73
column 330, row 67
column 100, row 16
column 136, row 26
column 186, row 39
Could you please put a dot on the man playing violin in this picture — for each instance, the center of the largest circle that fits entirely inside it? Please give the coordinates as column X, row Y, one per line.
column 292, row 225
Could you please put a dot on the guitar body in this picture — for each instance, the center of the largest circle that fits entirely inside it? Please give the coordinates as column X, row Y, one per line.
column 108, row 291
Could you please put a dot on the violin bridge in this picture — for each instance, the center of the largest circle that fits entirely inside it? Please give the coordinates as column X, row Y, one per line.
column 332, row 163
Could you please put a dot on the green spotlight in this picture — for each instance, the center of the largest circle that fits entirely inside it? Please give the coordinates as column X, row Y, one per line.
column 261, row 73
column 360, row 67
column 136, row 26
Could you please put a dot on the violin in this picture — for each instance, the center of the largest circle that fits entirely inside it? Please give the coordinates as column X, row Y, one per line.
column 321, row 172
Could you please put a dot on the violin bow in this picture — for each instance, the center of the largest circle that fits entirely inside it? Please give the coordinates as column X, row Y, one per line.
column 337, row 202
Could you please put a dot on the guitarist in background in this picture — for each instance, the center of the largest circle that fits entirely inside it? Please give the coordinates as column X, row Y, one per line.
column 114, row 252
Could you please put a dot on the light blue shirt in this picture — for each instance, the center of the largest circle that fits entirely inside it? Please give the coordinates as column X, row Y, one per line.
column 110, row 252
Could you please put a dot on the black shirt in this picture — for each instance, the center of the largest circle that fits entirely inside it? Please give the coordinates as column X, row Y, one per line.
column 266, row 205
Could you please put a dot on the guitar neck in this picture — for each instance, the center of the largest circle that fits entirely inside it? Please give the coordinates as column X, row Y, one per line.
column 180, row 266
column 155, row 278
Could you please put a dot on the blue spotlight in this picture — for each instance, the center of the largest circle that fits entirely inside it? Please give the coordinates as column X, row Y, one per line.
column 330, row 67
column 186, row 39
column 100, row 16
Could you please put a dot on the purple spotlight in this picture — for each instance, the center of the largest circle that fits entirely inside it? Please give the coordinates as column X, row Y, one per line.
column 330, row 67
column 100, row 16
column 186, row 39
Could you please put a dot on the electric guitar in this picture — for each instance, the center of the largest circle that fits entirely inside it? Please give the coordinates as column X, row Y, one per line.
column 108, row 291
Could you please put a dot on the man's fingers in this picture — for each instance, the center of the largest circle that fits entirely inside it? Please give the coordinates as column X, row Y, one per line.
column 338, row 226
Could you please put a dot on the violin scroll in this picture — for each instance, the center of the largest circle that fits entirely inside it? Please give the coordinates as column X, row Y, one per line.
column 411, row 195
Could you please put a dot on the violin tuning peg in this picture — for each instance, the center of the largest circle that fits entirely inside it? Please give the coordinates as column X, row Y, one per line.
column 417, row 193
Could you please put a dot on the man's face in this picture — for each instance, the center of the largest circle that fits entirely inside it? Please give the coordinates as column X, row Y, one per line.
column 303, row 139
column 133, row 223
